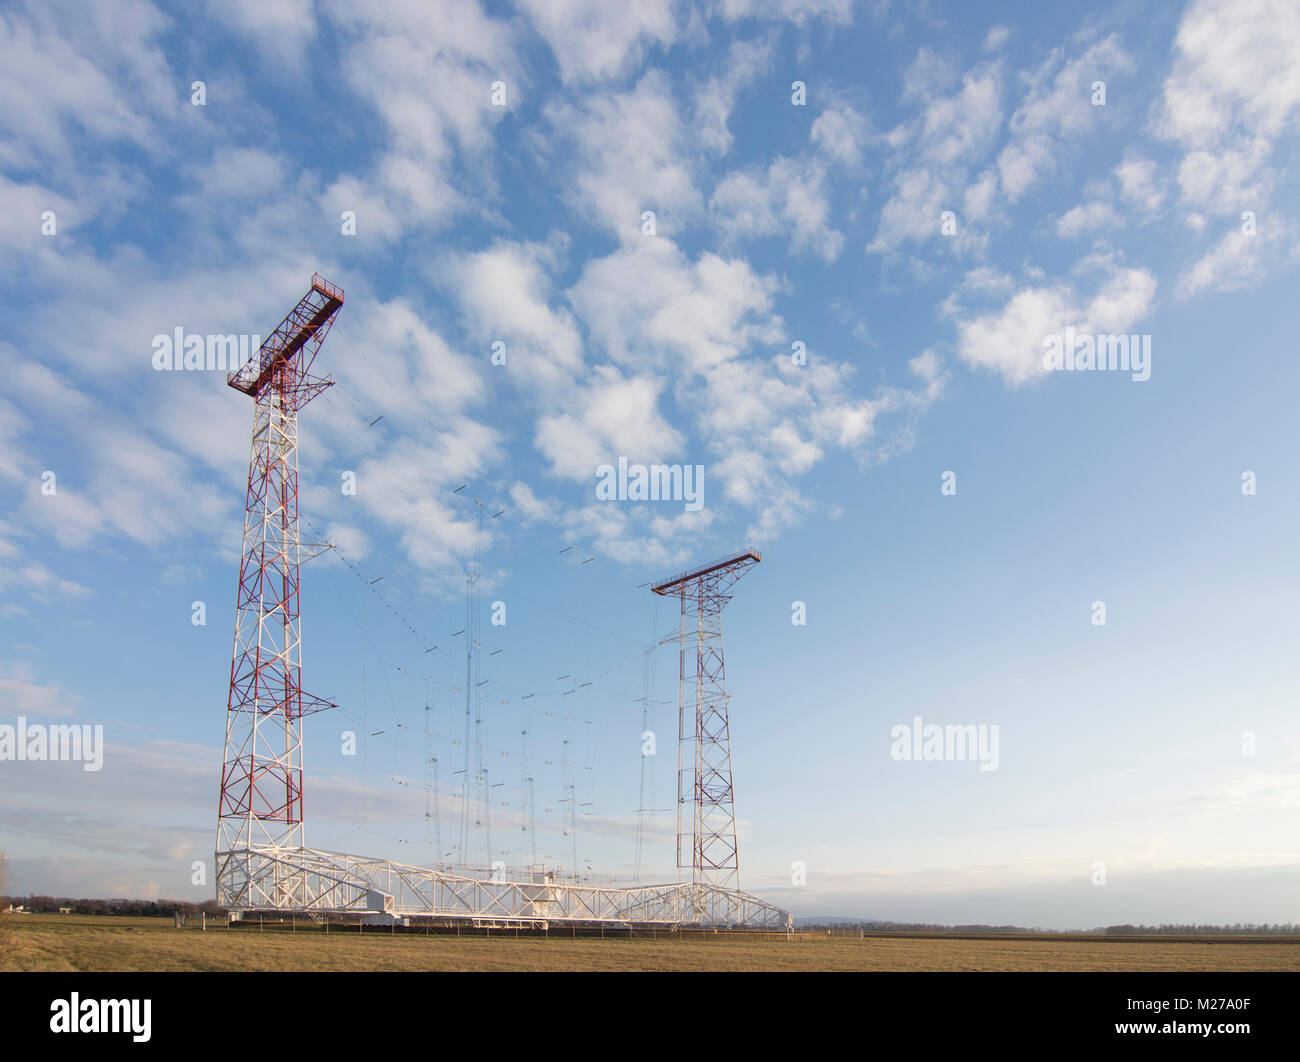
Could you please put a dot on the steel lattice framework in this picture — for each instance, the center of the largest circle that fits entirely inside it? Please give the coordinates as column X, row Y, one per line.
column 261, row 778
column 703, row 727
column 263, row 864
column 324, row 884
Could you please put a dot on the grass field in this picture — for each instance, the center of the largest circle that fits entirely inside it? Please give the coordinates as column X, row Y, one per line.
column 72, row 942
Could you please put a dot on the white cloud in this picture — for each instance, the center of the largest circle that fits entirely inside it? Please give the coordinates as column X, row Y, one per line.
column 593, row 40
column 789, row 197
column 1057, row 110
column 20, row 220
column 20, row 694
column 648, row 304
column 351, row 541
column 977, row 201
column 1085, row 218
column 121, row 481
column 1236, row 69
column 14, row 465
column 1229, row 179
column 1139, row 183
column 800, row 12
column 380, row 206
column 987, row 280
column 633, row 155
column 957, row 126
column 409, row 488
column 926, row 365
column 526, row 502
column 427, row 71
column 408, row 370
column 72, row 71
column 639, row 535
column 746, row 62
column 37, row 580
column 613, row 416
column 914, row 210
column 281, row 29
column 996, row 37
column 928, row 75
column 240, row 173
column 505, row 293
column 961, row 127
column 763, row 420
column 1009, row 341
column 1234, row 263
column 840, row 133
column 1233, row 91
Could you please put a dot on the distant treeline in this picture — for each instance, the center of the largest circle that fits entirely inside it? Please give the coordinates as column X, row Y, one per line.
column 1165, row 929
column 1188, row 929
column 134, row 908
column 907, row 927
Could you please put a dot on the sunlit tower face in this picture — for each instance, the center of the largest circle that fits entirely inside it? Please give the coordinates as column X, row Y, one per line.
column 261, row 801
column 263, row 862
column 704, row 782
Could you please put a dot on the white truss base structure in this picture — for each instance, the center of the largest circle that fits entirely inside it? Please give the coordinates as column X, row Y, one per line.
column 323, row 885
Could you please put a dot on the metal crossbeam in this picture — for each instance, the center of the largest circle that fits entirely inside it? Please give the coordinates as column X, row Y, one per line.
column 323, row 884
column 262, row 863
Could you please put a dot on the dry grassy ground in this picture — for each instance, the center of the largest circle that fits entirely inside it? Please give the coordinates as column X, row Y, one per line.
column 72, row 942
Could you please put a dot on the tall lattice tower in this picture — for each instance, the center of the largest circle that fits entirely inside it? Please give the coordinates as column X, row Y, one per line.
column 704, row 741
column 261, row 779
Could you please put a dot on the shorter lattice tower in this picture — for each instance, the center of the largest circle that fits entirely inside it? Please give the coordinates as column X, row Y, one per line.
column 704, row 783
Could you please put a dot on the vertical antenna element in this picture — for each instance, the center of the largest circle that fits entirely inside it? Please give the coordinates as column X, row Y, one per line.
column 469, row 686
column 572, row 798
column 704, row 781
column 483, row 791
column 470, row 634
column 432, row 812
column 532, row 824
column 529, row 824
column 260, row 804
column 647, row 765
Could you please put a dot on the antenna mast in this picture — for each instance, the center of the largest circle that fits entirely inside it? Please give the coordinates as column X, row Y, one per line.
column 260, row 804
column 704, row 733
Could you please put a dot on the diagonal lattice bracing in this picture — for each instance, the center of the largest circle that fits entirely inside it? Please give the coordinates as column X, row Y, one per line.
column 261, row 777
column 704, row 780
column 329, row 884
column 263, row 865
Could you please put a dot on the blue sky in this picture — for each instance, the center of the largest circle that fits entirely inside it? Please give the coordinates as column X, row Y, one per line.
column 951, row 191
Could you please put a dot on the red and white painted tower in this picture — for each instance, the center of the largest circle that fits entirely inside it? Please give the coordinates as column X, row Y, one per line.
column 262, row 862
column 704, row 734
column 261, row 779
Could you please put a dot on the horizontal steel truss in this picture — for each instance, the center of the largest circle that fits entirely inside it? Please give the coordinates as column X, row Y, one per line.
column 309, row 882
